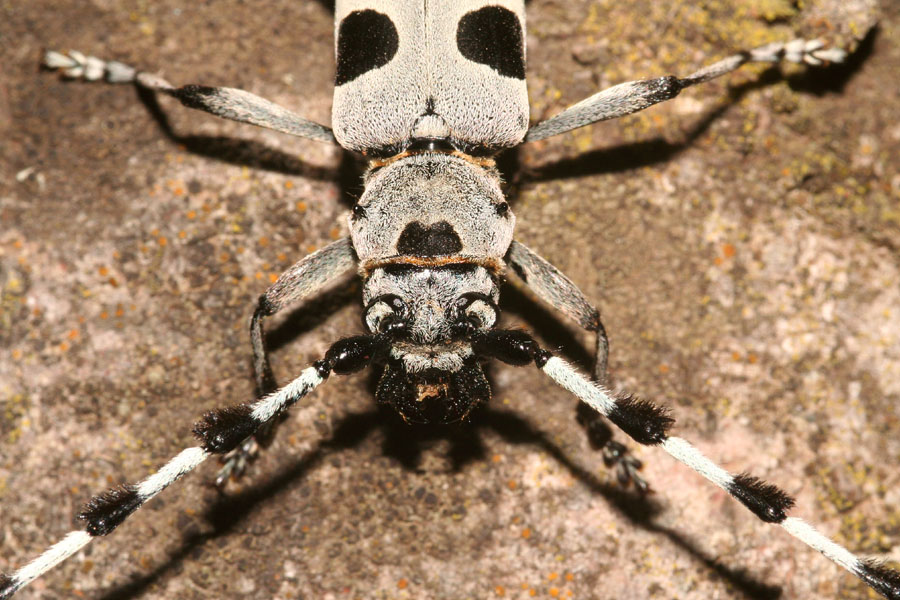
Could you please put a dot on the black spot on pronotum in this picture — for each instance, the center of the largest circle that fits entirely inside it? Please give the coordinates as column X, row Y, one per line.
column 764, row 500
column 492, row 36
column 439, row 239
column 107, row 511
column 366, row 40
column 644, row 421
column 883, row 580
column 223, row 429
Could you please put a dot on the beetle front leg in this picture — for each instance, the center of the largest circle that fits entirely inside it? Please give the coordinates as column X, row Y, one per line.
column 306, row 278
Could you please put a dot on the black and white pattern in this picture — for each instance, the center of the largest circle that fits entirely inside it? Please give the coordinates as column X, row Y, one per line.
column 220, row 431
column 648, row 424
column 458, row 73
column 430, row 92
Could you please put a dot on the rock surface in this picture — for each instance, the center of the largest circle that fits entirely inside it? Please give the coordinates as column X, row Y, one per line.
column 743, row 242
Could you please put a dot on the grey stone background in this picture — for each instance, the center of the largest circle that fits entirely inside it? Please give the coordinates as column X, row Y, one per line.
column 741, row 240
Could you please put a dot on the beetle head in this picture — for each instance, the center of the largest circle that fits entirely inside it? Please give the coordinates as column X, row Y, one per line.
column 430, row 316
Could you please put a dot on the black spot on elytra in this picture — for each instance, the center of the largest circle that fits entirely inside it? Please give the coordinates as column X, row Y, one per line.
column 439, row 239
column 492, row 36
column 366, row 40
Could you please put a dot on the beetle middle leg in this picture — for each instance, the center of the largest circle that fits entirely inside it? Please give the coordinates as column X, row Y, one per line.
column 634, row 96
column 557, row 290
column 228, row 103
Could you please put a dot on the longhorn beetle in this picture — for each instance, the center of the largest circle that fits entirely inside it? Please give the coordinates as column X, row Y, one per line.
column 431, row 236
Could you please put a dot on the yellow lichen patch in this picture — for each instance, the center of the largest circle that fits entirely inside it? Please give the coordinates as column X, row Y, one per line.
column 773, row 10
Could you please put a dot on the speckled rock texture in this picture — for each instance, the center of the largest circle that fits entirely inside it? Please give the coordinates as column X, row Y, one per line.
column 743, row 242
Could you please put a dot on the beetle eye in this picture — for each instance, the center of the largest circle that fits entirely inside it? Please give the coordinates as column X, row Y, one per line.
column 477, row 309
column 384, row 311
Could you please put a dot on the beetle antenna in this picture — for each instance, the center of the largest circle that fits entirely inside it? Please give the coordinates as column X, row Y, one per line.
column 219, row 432
column 648, row 424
